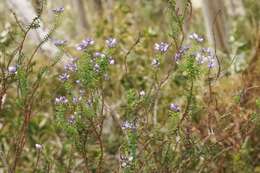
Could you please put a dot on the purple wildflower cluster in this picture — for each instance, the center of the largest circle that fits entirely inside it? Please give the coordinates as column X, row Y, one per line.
column 58, row 10
column 128, row 126
column 96, row 68
column 102, row 55
column 174, row 107
column 61, row 100
column 12, row 69
column 161, row 47
column 64, row 77
column 99, row 55
column 38, row 147
column 196, row 37
column 111, row 42
column 126, row 161
column 142, row 93
column 89, row 103
column 206, row 55
column 84, row 44
column 71, row 119
column 180, row 53
column 71, row 65
column 60, row 42
column 111, row 61
column 76, row 100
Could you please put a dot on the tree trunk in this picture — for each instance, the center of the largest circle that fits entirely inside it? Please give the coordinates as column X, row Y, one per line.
column 214, row 16
column 82, row 20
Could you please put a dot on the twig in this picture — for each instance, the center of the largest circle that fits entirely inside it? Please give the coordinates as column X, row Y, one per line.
column 215, row 45
column 130, row 50
column 37, row 161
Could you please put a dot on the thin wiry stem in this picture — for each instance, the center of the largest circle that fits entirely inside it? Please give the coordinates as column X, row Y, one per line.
column 130, row 50
column 3, row 158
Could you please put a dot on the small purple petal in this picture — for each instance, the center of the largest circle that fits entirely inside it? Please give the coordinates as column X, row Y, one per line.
column 155, row 62
column 128, row 125
column 38, row 146
column 64, row 77
column 111, row 61
column 174, row 107
column 96, row 68
column 71, row 119
column 58, row 10
column 60, row 42
column 71, row 66
column 180, row 53
column 61, row 100
column 12, row 69
column 142, row 93
column 84, row 44
column 196, row 37
column 161, row 47
column 111, row 42
column 99, row 54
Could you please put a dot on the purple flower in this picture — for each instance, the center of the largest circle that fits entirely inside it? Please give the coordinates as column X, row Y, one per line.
column 174, row 107
column 200, row 58
column 38, row 146
column 99, row 54
column 162, row 47
column 75, row 99
column 196, row 37
column 71, row 119
column 128, row 125
column 126, row 161
column 61, row 100
column 206, row 55
column 180, row 53
column 211, row 63
column 111, row 42
column 58, row 10
column 96, row 68
column 84, row 44
column 12, row 69
column 81, row 46
column 89, row 103
column 207, row 50
column 177, row 57
column 60, row 42
column 111, row 61
column 71, row 66
column 155, row 62
column 142, row 93
column 88, row 41
column 64, row 77
column 184, row 49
